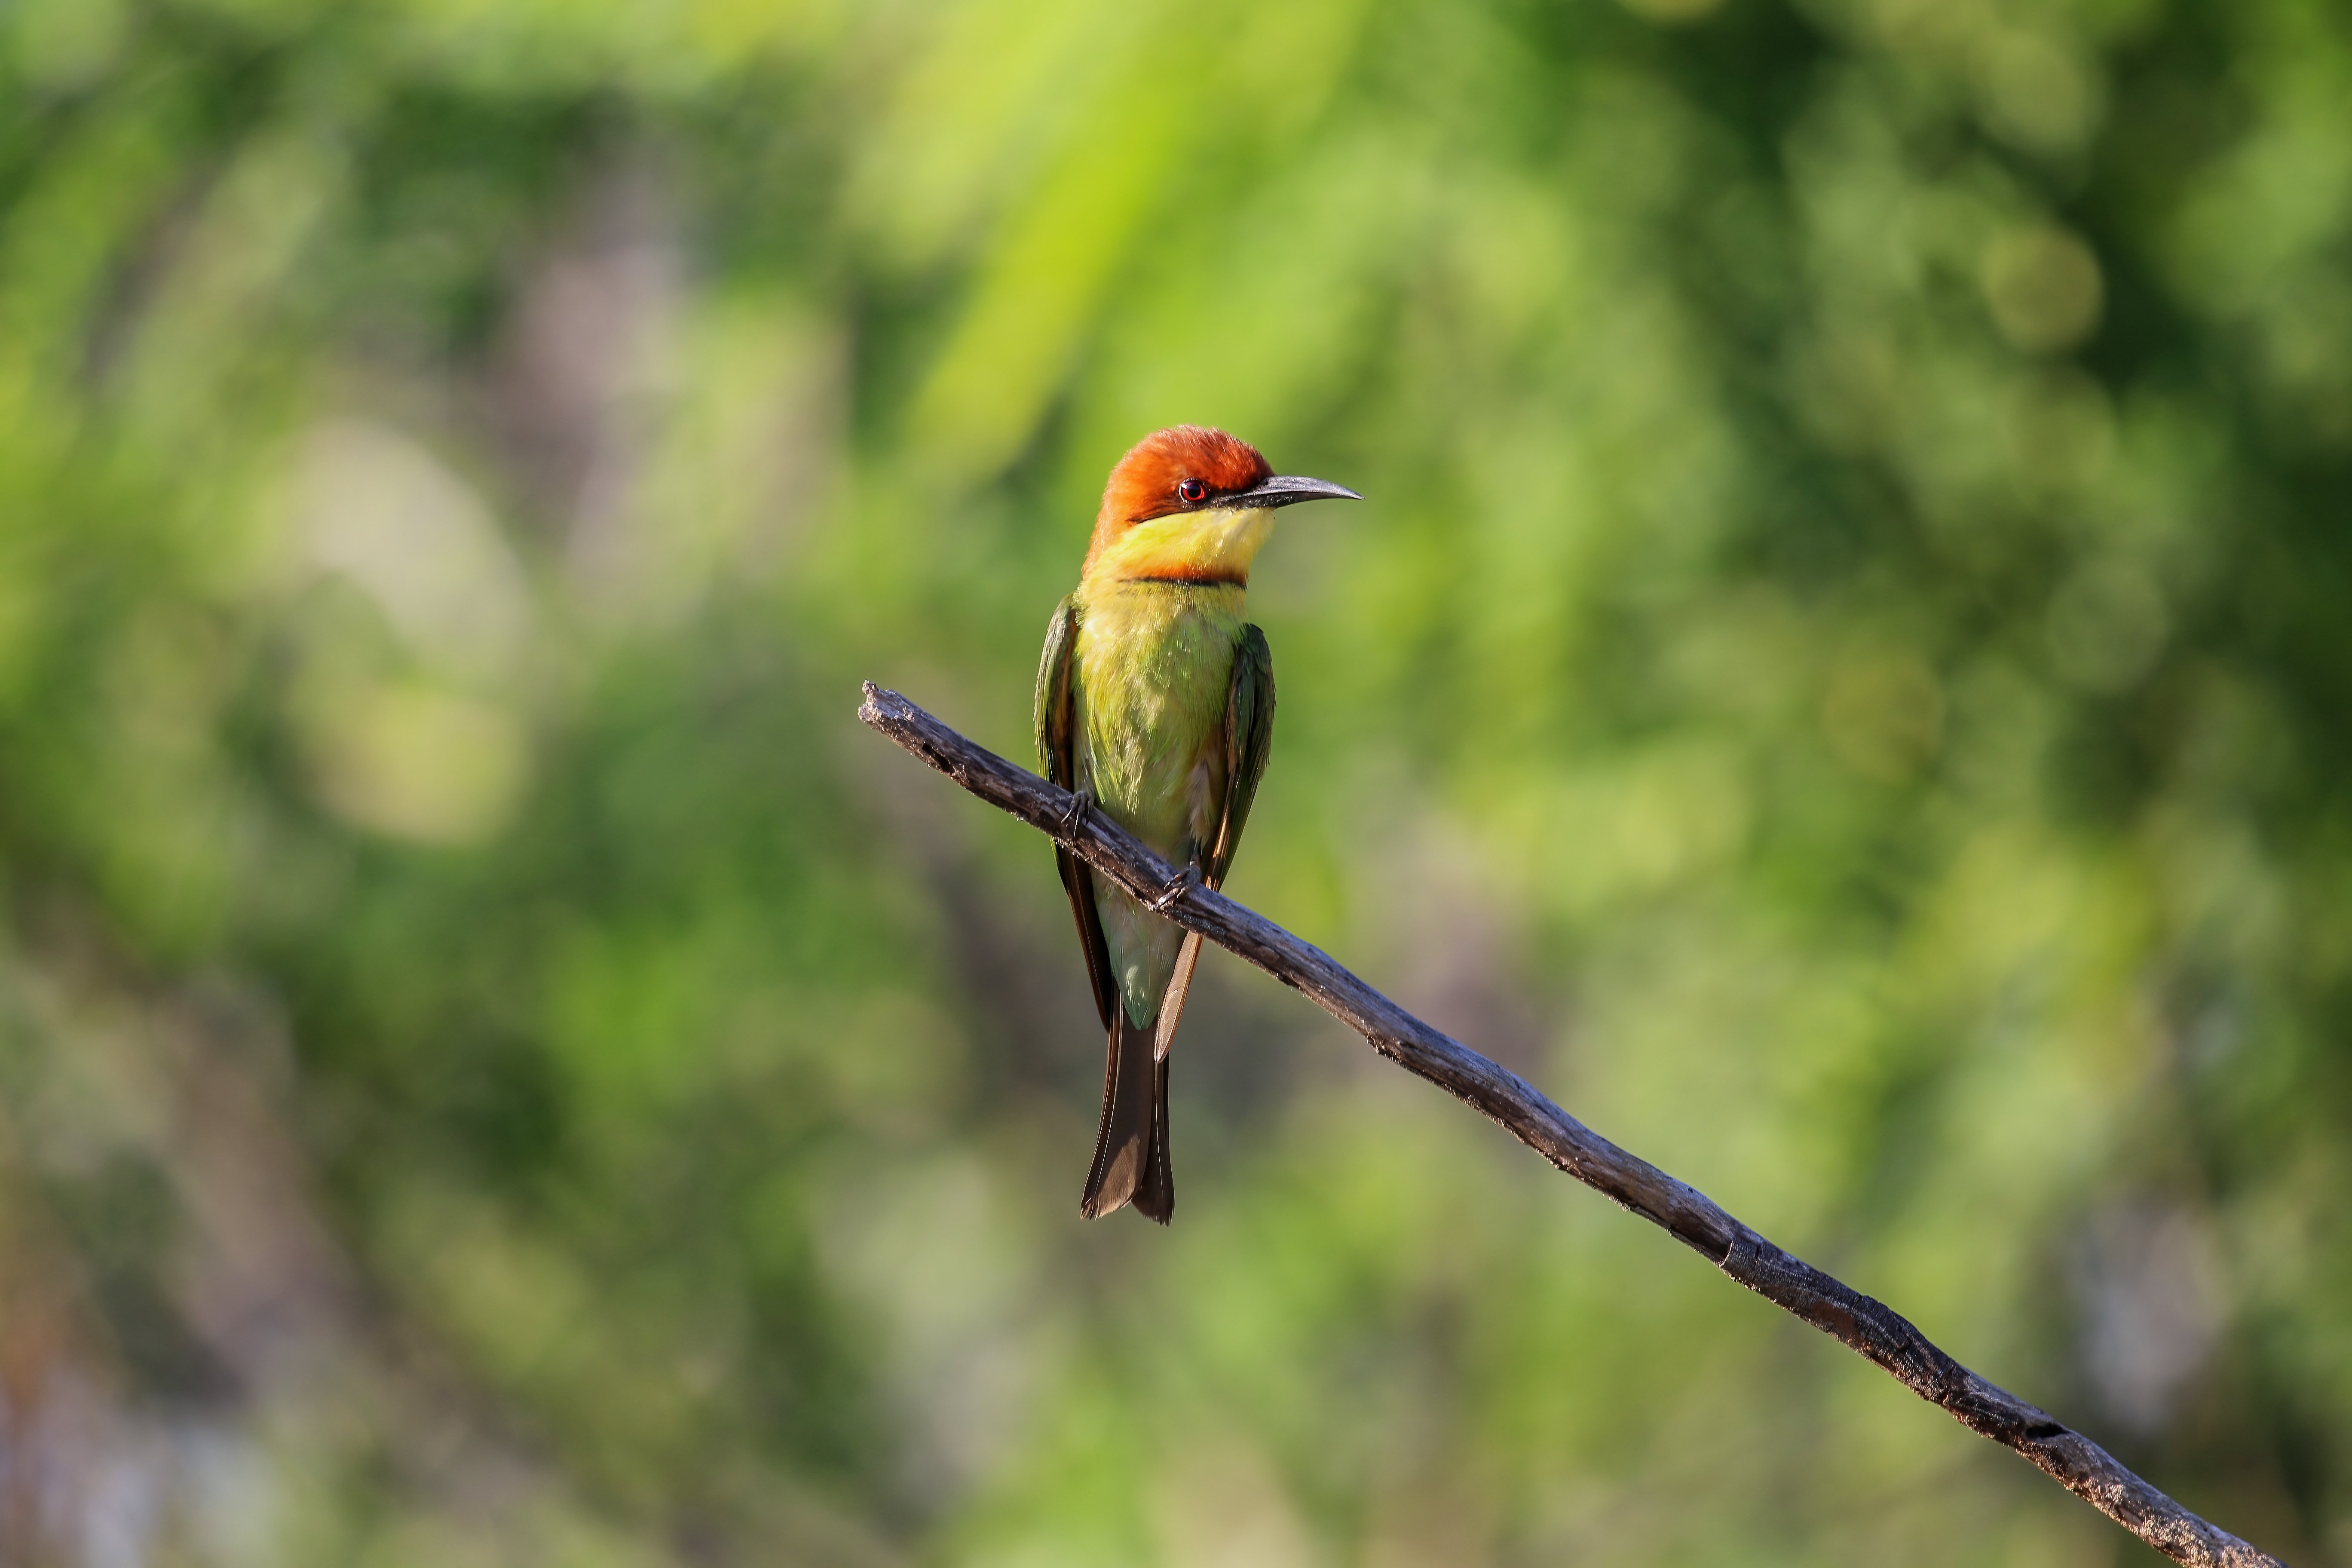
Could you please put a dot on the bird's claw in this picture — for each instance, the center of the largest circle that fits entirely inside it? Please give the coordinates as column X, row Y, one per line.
column 1074, row 821
column 1182, row 883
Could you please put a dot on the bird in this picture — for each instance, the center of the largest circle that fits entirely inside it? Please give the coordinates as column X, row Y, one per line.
column 1155, row 706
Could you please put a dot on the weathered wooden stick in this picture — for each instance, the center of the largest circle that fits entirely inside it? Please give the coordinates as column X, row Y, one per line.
column 1868, row 1327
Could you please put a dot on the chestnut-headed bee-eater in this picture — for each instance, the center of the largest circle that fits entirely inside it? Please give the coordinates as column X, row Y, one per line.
column 1155, row 703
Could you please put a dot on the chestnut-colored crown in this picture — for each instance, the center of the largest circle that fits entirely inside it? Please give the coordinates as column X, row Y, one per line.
column 1144, row 484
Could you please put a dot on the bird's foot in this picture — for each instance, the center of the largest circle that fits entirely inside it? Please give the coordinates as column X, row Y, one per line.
column 1182, row 883
column 1074, row 821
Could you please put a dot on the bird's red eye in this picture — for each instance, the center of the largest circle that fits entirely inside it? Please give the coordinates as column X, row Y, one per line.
column 1192, row 490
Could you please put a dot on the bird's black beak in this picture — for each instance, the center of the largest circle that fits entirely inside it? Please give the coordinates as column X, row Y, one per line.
column 1289, row 490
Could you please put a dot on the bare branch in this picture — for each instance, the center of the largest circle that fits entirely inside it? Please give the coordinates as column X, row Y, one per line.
column 1868, row 1327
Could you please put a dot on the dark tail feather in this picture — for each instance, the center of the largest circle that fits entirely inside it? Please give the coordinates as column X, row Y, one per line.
column 1132, row 1152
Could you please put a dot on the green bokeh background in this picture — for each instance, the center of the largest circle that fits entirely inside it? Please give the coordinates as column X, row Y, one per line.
column 1844, row 678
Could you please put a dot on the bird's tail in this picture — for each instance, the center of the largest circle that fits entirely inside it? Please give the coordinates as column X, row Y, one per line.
column 1132, row 1152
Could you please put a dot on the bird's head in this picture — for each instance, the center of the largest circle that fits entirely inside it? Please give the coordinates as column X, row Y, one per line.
column 1192, row 505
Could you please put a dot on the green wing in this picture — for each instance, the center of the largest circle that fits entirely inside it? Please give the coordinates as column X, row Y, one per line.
column 1057, row 718
column 1249, row 741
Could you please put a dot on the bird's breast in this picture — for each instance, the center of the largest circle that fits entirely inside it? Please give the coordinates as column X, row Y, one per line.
column 1154, row 662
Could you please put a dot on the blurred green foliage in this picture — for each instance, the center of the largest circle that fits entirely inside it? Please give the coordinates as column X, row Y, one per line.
column 1842, row 679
